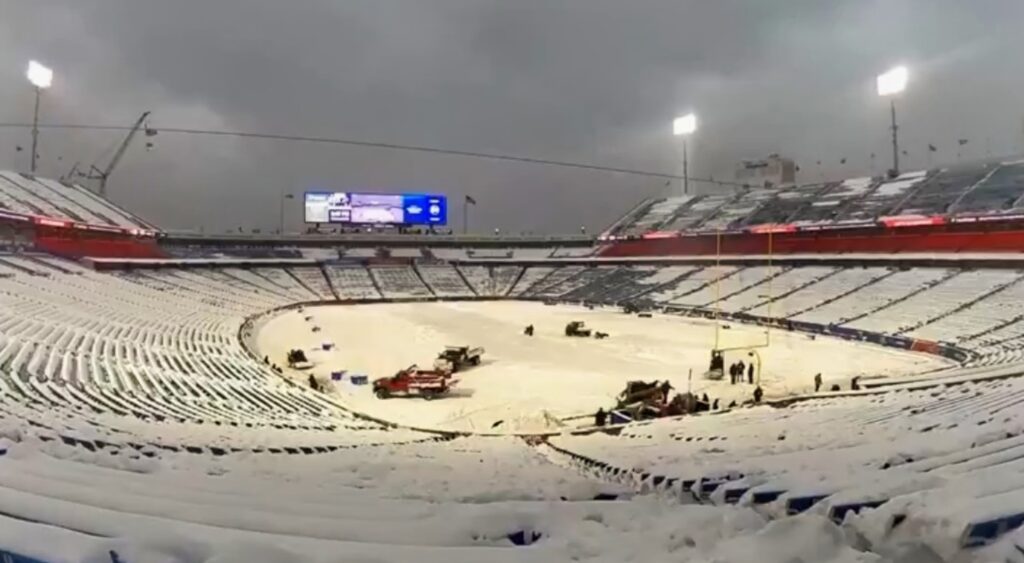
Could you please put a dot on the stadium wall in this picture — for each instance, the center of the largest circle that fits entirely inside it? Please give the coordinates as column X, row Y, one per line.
column 78, row 244
column 951, row 238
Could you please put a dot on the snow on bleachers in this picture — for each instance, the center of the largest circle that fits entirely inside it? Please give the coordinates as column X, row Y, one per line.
column 551, row 285
column 608, row 284
column 827, row 203
column 655, row 215
column 752, row 278
column 438, row 499
column 313, row 279
column 444, row 280
column 130, row 409
column 40, row 196
column 149, row 344
column 265, row 285
column 70, row 206
column 942, row 190
column 785, row 282
column 787, row 203
column 887, row 299
column 804, row 304
column 788, row 460
column 883, row 198
column 399, row 281
column 697, row 212
column 999, row 191
column 490, row 281
column 17, row 187
column 351, row 282
column 638, row 281
column 574, row 279
column 479, row 278
column 843, row 302
column 941, row 301
column 505, row 277
column 735, row 212
column 980, row 317
column 973, row 189
column 695, row 280
column 281, row 278
column 530, row 276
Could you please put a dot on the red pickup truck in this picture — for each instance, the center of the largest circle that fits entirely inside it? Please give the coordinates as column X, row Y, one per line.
column 414, row 381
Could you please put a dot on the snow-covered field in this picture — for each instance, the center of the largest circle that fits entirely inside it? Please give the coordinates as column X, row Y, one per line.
column 524, row 383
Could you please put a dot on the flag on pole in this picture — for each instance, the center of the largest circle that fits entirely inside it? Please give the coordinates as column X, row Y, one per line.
column 470, row 200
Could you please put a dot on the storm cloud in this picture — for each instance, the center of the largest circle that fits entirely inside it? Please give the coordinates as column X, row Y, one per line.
column 595, row 81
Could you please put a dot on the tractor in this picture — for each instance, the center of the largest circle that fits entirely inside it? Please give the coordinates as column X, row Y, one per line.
column 577, row 329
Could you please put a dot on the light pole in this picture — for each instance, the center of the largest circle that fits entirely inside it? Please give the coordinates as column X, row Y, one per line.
column 684, row 127
column 890, row 84
column 41, row 77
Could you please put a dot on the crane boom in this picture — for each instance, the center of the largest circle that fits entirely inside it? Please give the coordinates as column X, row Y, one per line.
column 103, row 175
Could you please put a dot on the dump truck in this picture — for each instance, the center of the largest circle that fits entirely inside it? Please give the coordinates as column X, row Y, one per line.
column 457, row 358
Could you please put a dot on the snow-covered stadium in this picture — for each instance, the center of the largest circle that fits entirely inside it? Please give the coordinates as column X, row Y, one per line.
column 148, row 413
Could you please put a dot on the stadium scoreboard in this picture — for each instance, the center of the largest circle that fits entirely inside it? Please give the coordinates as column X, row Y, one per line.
column 357, row 208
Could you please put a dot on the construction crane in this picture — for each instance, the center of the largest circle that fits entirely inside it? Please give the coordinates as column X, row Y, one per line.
column 104, row 174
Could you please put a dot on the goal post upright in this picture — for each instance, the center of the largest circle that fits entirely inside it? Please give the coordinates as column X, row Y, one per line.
column 718, row 283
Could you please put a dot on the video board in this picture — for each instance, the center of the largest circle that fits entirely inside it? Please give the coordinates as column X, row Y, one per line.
column 377, row 209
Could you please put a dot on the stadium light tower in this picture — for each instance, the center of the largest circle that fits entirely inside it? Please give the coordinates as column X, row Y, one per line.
column 42, row 78
column 890, row 84
column 684, row 127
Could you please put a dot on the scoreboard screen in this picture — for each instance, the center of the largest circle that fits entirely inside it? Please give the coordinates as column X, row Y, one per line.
column 376, row 209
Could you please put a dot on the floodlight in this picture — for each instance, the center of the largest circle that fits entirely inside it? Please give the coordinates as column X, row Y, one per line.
column 39, row 75
column 684, row 125
column 893, row 81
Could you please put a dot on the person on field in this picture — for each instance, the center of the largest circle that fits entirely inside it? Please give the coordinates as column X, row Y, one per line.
column 750, row 374
column 601, row 417
column 817, row 382
column 758, row 394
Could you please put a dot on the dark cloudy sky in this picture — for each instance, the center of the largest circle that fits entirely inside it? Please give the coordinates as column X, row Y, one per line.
column 582, row 80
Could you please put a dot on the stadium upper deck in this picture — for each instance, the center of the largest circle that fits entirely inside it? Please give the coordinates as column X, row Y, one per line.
column 991, row 190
